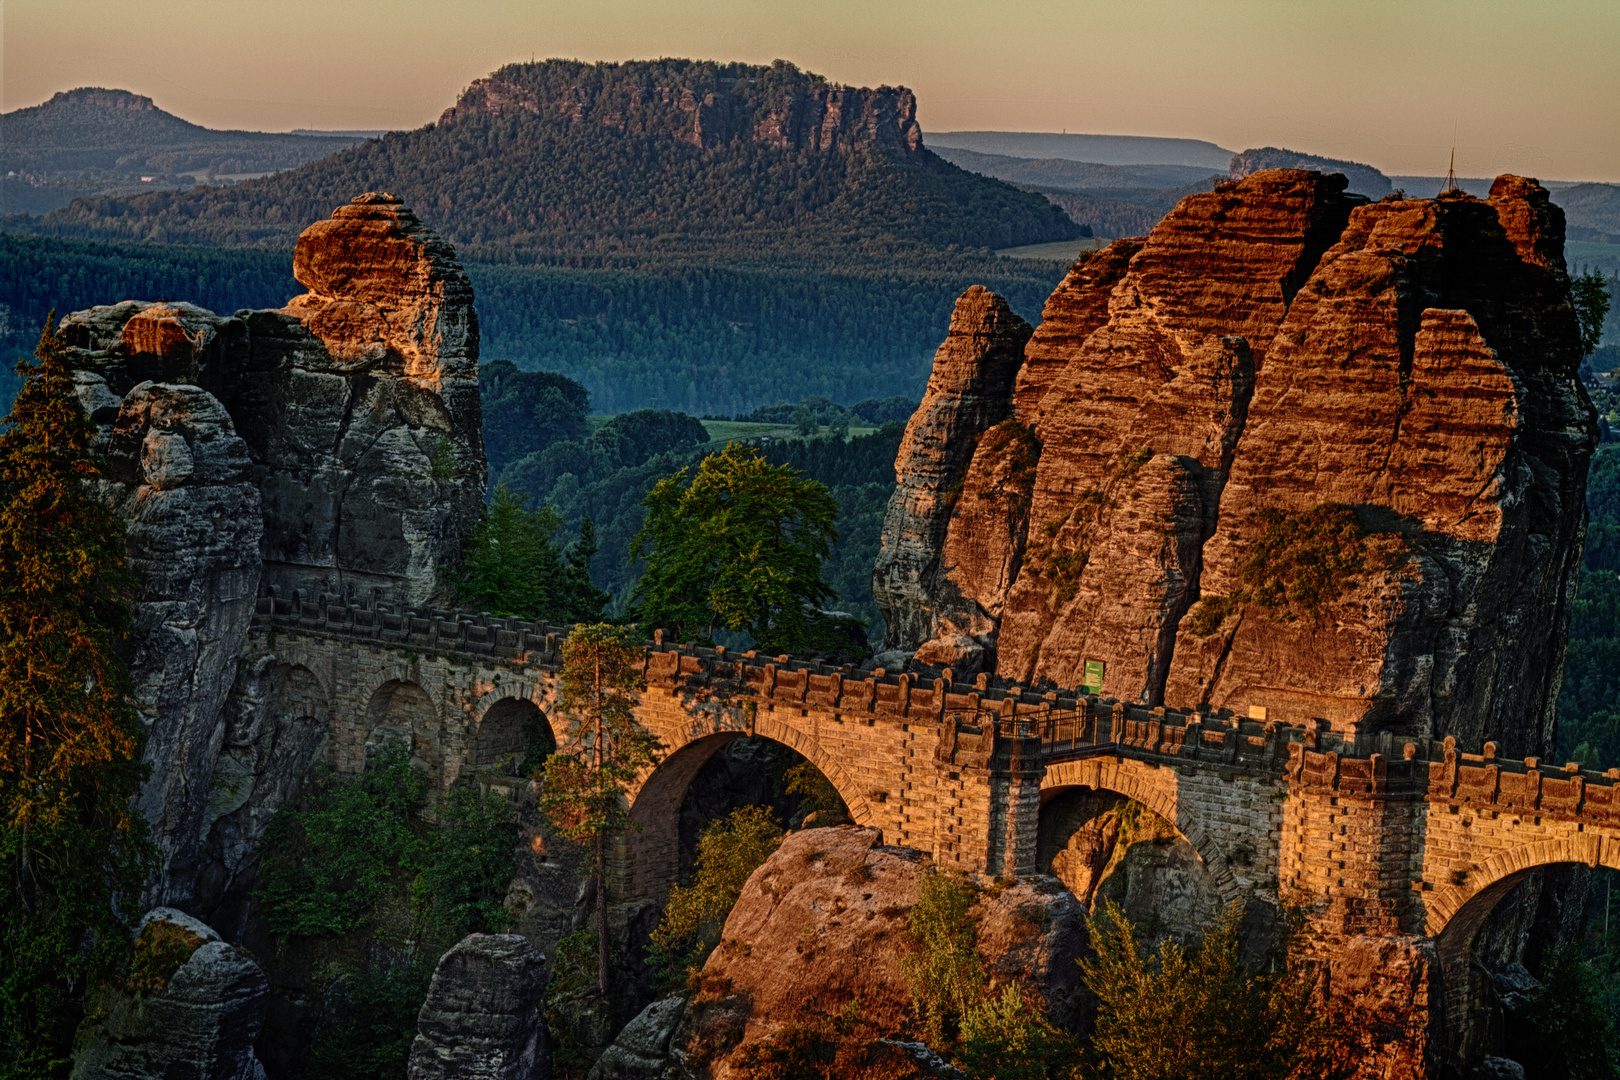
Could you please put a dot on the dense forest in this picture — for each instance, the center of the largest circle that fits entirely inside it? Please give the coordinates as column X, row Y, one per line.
column 704, row 338
column 566, row 156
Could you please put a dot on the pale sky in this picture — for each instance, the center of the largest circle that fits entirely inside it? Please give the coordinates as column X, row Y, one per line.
column 1528, row 86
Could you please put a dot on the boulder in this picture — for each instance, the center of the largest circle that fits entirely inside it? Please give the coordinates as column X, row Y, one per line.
column 822, row 922
column 641, row 1051
column 190, row 1008
column 485, row 1015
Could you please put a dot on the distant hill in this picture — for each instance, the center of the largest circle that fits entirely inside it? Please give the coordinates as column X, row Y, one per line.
column 1098, row 149
column 1067, row 175
column 667, row 155
column 98, row 141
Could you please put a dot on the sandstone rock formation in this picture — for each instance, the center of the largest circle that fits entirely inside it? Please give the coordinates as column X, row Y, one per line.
column 967, row 396
column 485, row 1016
column 1284, row 376
column 333, row 447
column 822, row 922
column 1364, row 179
column 710, row 105
column 192, row 1013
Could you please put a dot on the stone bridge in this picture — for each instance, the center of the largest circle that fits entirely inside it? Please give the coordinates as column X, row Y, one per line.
column 1371, row 835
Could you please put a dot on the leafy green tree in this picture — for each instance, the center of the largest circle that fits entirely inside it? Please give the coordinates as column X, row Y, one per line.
column 370, row 1035
column 1566, row 1029
column 583, row 792
column 739, row 547
column 1007, row 1038
column 75, row 853
column 728, row 852
column 511, row 566
column 946, row 975
column 462, row 888
column 1180, row 1013
column 1589, row 292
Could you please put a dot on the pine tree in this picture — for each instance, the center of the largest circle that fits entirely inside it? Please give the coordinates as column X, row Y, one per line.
column 584, row 792
column 74, row 852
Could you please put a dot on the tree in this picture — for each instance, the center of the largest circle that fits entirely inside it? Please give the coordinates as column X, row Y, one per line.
column 728, row 852
column 511, row 566
column 75, row 852
column 1180, row 1013
column 740, row 547
column 1589, row 292
column 584, row 792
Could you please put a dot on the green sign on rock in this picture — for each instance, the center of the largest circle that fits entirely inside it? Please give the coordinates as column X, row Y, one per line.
column 1093, row 677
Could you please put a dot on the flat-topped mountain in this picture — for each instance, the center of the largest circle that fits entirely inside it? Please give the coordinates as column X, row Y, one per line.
column 563, row 155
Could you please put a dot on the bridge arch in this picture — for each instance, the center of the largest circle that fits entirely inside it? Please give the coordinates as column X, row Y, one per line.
column 401, row 710
column 504, row 728
column 1140, row 783
column 652, row 845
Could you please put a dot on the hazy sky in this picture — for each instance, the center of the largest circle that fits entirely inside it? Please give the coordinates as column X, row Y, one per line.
column 1529, row 86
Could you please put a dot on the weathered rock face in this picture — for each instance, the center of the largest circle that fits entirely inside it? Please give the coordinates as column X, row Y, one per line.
column 1426, row 376
column 360, row 405
column 705, row 106
column 1273, row 350
column 1364, row 179
column 822, row 922
column 332, row 446
column 968, row 394
column 485, row 1016
column 1385, row 991
column 196, row 1020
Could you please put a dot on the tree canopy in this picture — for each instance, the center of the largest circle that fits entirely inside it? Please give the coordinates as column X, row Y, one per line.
column 740, row 546
column 511, row 565
column 74, row 851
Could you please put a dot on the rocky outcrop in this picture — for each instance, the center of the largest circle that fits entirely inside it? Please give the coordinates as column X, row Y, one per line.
column 1364, row 179
column 1425, row 375
column 1283, row 376
column 484, row 1017
column 1385, row 993
column 333, row 446
column 189, row 1009
column 968, row 395
column 360, row 406
column 702, row 104
column 822, row 923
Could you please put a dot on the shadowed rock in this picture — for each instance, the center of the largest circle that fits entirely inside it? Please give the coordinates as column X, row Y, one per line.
column 484, row 1017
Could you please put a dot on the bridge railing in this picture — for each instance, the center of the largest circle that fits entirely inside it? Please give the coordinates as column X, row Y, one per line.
column 1066, row 723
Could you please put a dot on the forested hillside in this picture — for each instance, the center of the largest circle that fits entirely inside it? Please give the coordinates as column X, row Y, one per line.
column 662, row 155
column 699, row 336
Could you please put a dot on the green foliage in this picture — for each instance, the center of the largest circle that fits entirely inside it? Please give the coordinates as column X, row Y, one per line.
column 73, row 852
column 1589, row 292
column 583, row 793
column 527, row 411
column 370, row 1035
column 1005, row 1038
column 1567, row 1030
column 945, row 974
column 357, row 843
column 573, row 975
column 512, row 567
column 728, row 851
column 817, row 794
column 739, row 547
column 463, row 883
column 1180, row 1013
column 1589, row 699
column 1302, row 564
column 159, row 952
column 325, row 867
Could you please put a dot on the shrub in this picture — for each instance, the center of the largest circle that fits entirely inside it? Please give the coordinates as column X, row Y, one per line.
column 841, row 1047
column 462, row 888
column 327, row 865
column 159, row 952
column 371, row 1031
column 945, row 973
column 1571, row 1033
column 1181, row 1013
column 728, row 852
column 816, row 792
column 1003, row 1038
